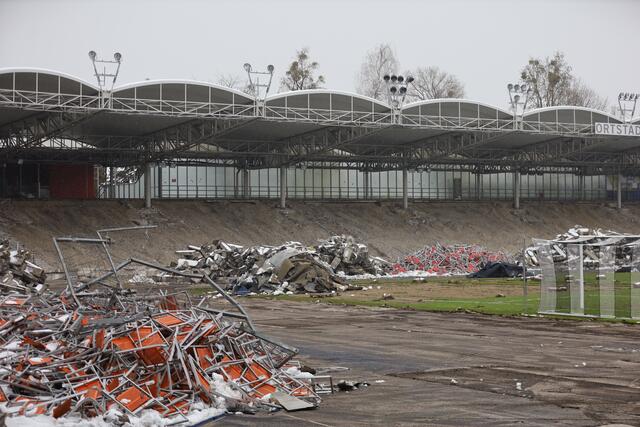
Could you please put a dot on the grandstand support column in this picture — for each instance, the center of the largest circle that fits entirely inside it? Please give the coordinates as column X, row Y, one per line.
column 366, row 184
column 38, row 190
column 159, row 182
column 3, row 189
column 516, row 190
column 147, row 185
column 478, row 186
column 619, row 191
column 405, row 191
column 245, row 183
column 112, row 185
column 283, row 187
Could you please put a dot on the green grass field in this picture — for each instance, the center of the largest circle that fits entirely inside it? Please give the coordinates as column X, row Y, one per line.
column 622, row 295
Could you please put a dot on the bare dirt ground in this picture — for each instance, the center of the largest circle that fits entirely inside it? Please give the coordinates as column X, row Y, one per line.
column 570, row 373
column 385, row 227
column 444, row 287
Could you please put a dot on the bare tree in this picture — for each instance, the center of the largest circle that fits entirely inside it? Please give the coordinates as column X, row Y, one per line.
column 553, row 83
column 231, row 80
column 433, row 83
column 582, row 95
column 378, row 61
column 300, row 74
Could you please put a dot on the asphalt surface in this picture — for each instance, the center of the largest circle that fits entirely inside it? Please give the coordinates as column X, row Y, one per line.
column 456, row 369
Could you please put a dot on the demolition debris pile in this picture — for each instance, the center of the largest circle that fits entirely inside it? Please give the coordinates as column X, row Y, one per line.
column 442, row 259
column 16, row 271
column 290, row 267
column 559, row 247
column 349, row 257
column 115, row 354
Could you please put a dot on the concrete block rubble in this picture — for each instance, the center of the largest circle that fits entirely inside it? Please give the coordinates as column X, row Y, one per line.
column 579, row 234
column 17, row 272
column 441, row 259
column 95, row 349
column 288, row 268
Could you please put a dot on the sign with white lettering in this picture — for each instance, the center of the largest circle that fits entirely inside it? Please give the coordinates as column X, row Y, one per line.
column 617, row 129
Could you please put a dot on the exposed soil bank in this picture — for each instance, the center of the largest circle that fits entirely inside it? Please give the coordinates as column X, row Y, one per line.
column 385, row 227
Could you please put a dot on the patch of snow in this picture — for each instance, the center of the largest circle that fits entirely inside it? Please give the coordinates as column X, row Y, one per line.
column 294, row 372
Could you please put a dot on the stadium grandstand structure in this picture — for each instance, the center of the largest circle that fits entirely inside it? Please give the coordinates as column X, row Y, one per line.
column 52, row 119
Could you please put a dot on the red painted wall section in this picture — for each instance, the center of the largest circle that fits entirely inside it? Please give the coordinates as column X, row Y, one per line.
column 71, row 182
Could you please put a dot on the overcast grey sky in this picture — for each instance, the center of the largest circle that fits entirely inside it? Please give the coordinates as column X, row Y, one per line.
column 484, row 43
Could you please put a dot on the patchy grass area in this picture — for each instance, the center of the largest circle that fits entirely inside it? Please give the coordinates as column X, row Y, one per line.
column 508, row 306
column 488, row 296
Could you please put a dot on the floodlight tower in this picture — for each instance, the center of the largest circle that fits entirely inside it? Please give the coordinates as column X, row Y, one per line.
column 103, row 75
column 627, row 102
column 518, row 97
column 257, row 89
column 397, row 87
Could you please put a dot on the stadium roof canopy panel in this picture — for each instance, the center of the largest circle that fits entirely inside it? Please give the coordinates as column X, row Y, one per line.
column 48, row 115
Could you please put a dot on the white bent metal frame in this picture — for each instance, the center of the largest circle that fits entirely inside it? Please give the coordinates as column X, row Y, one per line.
column 574, row 278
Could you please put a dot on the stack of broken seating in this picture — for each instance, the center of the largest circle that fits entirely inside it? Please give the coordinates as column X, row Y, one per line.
column 115, row 354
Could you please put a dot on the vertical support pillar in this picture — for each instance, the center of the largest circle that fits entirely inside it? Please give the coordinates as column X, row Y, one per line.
column 38, row 181
column 20, row 177
column 283, row 187
column 366, row 184
column 147, row 185
column 581, row 187
column 405, row 190
column 112, row 183
column 478, row 186
column 3, row 189
column 159, row 181
column 619, row 191
column 581, row 276
column 245, row 183
column 516, row 190
column 235, row 184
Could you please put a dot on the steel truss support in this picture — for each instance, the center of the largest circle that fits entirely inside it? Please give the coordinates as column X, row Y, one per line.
column 40, row 128
column 172, row 142
column 442, row 147
column 309, row 145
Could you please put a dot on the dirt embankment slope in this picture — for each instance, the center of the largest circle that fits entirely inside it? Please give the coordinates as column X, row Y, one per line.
column 389, row 230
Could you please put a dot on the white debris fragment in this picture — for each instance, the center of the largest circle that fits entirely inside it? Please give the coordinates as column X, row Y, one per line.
column 297, row 373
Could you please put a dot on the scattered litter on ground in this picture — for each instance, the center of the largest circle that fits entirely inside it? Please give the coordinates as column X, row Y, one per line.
column 344, row 385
